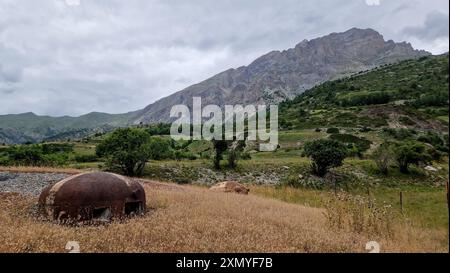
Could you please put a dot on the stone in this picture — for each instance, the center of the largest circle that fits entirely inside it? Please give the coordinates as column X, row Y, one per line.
column 230, row 186
column 431, row 169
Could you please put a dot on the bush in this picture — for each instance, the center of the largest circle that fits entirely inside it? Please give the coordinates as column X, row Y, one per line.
column 126, row 150
column 333, row 131
column 408, row 153
column 383, row 156
column 178, row 155
column 294, row 181
column 325, row 154
column 366, row 99
column 85, row 158
column 160, row 148
column 354, row 143
column 433, row 139
column 159, row 129
column 406, row 121
column 34, row 155
column 365, row 129
column 246, row 156
column 400, row 134
column 234, row 149
column 52, row 148
column 435, row 99
column 220, row 146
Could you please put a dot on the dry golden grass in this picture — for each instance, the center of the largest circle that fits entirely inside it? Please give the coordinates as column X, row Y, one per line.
column 193, row 219
column 28, row 169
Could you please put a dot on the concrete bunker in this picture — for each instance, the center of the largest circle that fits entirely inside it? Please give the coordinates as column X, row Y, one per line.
column 96, row 196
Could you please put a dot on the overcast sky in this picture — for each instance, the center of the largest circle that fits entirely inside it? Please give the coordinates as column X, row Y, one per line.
column 71, row 57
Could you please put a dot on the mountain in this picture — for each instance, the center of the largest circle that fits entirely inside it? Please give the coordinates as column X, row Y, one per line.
column 29, row 127
column 272, row 78
column 409, row 94
column 277, row 75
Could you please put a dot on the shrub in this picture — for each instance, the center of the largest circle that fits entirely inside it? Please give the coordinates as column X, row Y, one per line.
column 234, row 148
column 86, row 158
column 365, row 129
column 234, row 152
column 406, row 121
column 55, row 159
column 178, row 155
column 325, row 154
column 52, row 148
column 34, row 155
column 408, row 153
column 333, row 131
column 383, row 156
column 308, row 183
column 358, row 145
column 159, row 129
column 366, row 99
column 160, row 148
column 435, row 99
column 433, row 139
column 246, row 156
column 220, row 146
column 400, row 134
column 30, row 155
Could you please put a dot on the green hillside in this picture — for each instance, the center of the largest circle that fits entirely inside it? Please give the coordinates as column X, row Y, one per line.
column 29, row 127
column 411, row 94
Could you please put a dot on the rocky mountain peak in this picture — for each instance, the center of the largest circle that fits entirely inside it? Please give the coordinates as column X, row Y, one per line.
column 278, row 75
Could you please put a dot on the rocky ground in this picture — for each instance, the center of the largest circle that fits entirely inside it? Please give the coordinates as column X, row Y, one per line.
column 28, row 183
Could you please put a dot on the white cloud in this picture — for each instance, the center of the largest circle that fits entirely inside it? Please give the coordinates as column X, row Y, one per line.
column 58, row 57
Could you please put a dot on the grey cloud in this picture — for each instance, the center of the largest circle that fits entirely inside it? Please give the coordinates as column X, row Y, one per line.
column 434, row 27
column 117, row 56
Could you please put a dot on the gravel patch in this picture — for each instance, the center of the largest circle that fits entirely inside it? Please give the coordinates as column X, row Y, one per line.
column 28, row 183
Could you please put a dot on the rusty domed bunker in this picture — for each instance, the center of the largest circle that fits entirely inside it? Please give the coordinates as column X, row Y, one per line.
column 92, row 196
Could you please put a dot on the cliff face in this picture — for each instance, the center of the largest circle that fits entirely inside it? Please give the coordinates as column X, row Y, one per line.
column 280, row 75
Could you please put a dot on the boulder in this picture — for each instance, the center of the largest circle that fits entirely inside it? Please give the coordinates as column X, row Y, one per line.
column 431, row 169
column 230, row 186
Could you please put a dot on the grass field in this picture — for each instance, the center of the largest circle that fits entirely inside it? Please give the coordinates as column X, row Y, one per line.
column 193, row 219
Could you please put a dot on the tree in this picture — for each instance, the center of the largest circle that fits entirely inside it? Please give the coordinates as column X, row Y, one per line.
column 30, row 155
column 220, row 146
column 383, row 156
column 38, row 154
column 325, row 154
column 408, row 153
column 126, row 150
column 160, row 148
column 233, row 148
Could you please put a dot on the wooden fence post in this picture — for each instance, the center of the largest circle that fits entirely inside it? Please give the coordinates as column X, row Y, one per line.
column 401, row 202
column 448, row 206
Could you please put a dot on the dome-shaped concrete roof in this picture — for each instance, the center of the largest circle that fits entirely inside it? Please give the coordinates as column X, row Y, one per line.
column 96, row 195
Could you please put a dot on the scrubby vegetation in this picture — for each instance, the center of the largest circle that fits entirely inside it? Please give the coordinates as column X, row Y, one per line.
column 54, row 154
column 417, row 88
